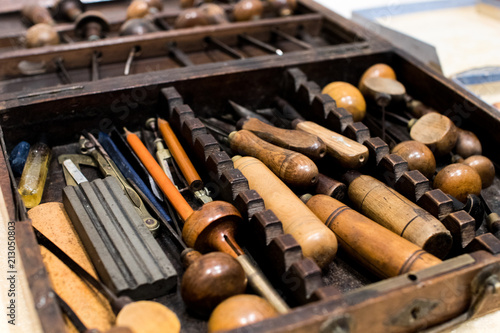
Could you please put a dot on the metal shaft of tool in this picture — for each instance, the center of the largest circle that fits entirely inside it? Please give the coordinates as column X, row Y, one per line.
column 258, row 281
column 117, row 303
column 130, row 59
column 291, row 39
column 72, row 316
column 180, row 56
column 62, row 69
column 95, row 66
column 224, row 47
column 260, row 44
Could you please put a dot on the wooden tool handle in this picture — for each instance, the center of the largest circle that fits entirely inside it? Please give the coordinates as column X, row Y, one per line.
column 167, row 187
column 316, row 241
column 302, row 142
column 180, row 155
column 379, row 249
column 398, row 214
column 349, row 153
column 37, row 14
column 293, row 168
column 436, row 131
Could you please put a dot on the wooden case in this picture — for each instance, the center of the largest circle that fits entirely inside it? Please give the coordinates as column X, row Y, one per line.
column 344, row 297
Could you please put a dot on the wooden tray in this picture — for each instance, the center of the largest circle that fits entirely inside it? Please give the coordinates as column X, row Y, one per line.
column 344, row 297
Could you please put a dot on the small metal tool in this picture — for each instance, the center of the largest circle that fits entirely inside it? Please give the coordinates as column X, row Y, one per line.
column 260, row 44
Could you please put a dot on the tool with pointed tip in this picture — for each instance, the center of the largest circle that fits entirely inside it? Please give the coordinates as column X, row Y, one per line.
column 218, row 44
column 378, row 248
column 278, row 33
column 211, row 227
column 91, row 146
column 299, row 141
column 348, row 153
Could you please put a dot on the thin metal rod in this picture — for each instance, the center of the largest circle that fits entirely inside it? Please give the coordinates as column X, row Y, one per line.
column 130, row 58
column 72, row 316
column 292, row 39
column 260, row 44
column 95, row 66
column 180, row 56
column 62, row 69
column 224, row 47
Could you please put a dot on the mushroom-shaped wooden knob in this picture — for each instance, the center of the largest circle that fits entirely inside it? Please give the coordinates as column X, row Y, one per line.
column 436, row 131
column 68, row 9
column 348, row 97
column 247, row 10
column 377, row 88
column 238, row 311
column 138, row 26
column 210, row 279
column 210, row 228
column 484, row 167
column 213, row 13
column 418, row 156
column 467, row 144
column 189, row 18
column 377, row 70
column 148, row 317
column 137, row 9
column 458, row 180
column 283, row 7
column 41, row 34
column 91, row 25
column 37, row 14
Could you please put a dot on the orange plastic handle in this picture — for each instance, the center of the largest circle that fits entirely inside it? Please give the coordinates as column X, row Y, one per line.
column 180, row 156
column 165, row 184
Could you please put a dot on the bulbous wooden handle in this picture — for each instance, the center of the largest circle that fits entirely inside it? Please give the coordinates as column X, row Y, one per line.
column 436, row 131
column 37, row 14
column 349, row 153
column 315, row 239
column 299, row 141
column 293, row 168
column 395, row 212
column 379, row 249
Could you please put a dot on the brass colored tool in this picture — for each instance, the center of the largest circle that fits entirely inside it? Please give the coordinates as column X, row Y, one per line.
column 398, row 214
column 108, row 168
column 293, row 168
column 316, row 241
column 378, row 248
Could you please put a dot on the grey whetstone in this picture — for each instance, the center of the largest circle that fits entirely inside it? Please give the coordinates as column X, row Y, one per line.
column 125, row 254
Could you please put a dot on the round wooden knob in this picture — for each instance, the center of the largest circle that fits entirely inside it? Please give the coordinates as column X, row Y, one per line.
column 418, row 156
column 190, row 17
column 211, row 279
column 377, row 70
column 41, row 34
column 214, row 14
column 137, row 9
column 467, row 144
column 436, row 131
column 91, row 25
column 138, row 26
column 484, row 167
column 348, row 97
column 458, row 180
column 207, row 228
column 148, row 317
column 377, row 87
column 247, row 10
column 68, row 9
column 156, row 4
column 186, row 3
column 37, row 14
column 283, row 7
column 238, row 311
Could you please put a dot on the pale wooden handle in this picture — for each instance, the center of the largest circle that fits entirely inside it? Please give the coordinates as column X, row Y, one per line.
column 293, row 168
column 315, row 239
column 379, row 249
column 395, row 212
column 349, row 153
column 299, row 141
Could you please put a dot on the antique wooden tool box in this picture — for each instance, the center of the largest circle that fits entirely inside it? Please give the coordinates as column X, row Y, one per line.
column 191, row 75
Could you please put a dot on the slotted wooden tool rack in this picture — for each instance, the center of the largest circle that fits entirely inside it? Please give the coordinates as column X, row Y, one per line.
column 344, row 297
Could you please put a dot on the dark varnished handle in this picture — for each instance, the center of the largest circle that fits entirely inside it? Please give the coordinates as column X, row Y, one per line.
column 299, row 141
column 293, row 168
